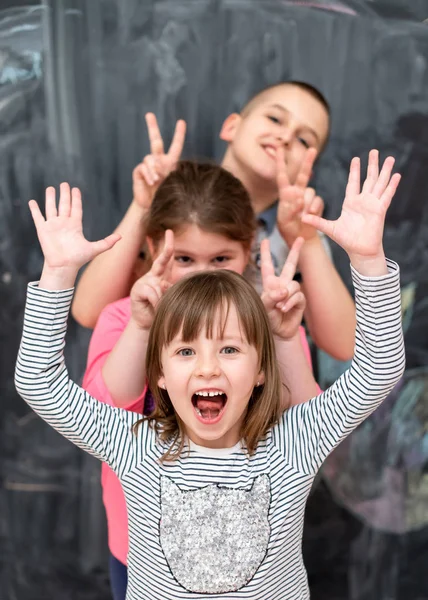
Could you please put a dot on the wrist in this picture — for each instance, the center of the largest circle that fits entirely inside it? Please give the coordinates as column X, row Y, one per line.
column 140, row 328
column 287, row 340
column 139, row 210
column 370, row 266
column 58, row 278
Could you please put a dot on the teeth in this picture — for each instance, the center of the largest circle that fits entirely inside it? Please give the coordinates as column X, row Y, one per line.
column 198, row 412
column 209, row 394
column 270, row 151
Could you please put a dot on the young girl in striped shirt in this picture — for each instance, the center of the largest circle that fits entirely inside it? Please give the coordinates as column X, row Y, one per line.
column 217, row 478
column 210, row 225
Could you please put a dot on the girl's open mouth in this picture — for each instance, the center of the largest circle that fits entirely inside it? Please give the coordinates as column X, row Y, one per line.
column 209, row 405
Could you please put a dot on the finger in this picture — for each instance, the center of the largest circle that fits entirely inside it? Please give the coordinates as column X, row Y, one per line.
column 177, row 143
column 323, row 225
column 64, row 204
column 36, row 213
column 266, row 264
column 105, row 244
column 272, row 294
column 165, row 285
column 308, row 197
column 149, row 164
column 384, row 177
column 76, row 210
column 317, row 206
column 290, row 266
column 282, row 180
column 145, row 171
column 353, row 186
column 305, row 172
column 161, row 262
column 50, row 203
column 149, row 295
column 156, row 141
column 372, row 172
column 389, row 193
column 297, row 301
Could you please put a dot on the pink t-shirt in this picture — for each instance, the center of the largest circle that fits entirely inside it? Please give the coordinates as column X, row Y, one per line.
column 107, row 332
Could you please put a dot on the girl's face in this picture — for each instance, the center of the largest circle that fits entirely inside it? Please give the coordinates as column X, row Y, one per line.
column 198, row 250
column 210, row 382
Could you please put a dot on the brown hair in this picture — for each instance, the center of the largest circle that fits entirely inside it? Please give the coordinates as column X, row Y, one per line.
column 194, row 303
column 313, row 91
column 206, row 195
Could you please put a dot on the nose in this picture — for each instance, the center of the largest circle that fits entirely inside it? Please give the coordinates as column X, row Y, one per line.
column 285, row 135
column 207, row 366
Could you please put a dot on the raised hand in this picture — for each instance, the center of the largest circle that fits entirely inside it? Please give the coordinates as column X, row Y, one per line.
column 149, row 289
column 359, row 229
column 60, row 234
column 156, row 166
column 297, row 199
column 282, row 297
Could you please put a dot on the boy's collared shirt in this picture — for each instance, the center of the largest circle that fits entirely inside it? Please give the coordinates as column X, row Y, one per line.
column 267, row 228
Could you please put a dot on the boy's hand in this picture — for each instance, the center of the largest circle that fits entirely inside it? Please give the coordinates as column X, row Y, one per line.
column 282, row 297
column 60, row 233
column 149, row 289
column 359, row 229
column 296, row 200
column 156, row 166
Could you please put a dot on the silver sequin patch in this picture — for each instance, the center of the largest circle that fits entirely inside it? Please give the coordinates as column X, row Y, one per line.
column 214, row 538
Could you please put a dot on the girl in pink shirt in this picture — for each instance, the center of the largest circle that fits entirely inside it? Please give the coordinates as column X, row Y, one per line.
column 200, row 219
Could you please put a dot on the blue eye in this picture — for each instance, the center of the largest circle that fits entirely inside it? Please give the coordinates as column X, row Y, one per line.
column 229, row 350
column 185, row 352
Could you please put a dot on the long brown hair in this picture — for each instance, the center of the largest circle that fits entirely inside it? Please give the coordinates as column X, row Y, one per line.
column 195, row 303
column 206, row 195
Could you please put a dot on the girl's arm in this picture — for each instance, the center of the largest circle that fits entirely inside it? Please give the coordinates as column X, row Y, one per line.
column 308, row 433
column 108, row 330
column 124, row 369
column 41, row 376
column 296, row 370
column 284, row 304
column 42, row 380
column 109, row 276
column 330, row 310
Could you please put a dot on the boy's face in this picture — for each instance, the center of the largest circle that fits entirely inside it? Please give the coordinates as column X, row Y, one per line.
column 286, row 114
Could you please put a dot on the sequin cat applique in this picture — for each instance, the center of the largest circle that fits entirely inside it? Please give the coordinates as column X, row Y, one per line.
column 214, row 538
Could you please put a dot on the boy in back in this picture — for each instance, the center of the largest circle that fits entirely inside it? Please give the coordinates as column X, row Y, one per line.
column 289, row 121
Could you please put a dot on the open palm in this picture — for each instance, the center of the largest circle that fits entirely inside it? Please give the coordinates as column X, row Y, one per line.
column 359, row 229
column 60, row 233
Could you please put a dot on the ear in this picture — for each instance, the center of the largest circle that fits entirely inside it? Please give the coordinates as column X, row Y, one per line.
column 230, row 127
column 260, row 378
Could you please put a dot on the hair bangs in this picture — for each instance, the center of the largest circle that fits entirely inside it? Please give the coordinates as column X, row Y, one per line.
column 207, row 306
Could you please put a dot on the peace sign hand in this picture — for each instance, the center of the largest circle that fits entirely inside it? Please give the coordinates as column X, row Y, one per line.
column 359, row 229
column 149, row 289
column 282, row 297
column 60, row 234
column 156, row 166
column 297, row 199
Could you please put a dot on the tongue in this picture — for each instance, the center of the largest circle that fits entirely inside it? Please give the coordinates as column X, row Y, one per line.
column 205, row 405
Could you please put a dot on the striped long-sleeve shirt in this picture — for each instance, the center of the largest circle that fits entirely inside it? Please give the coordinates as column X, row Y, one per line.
column 215, row 522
